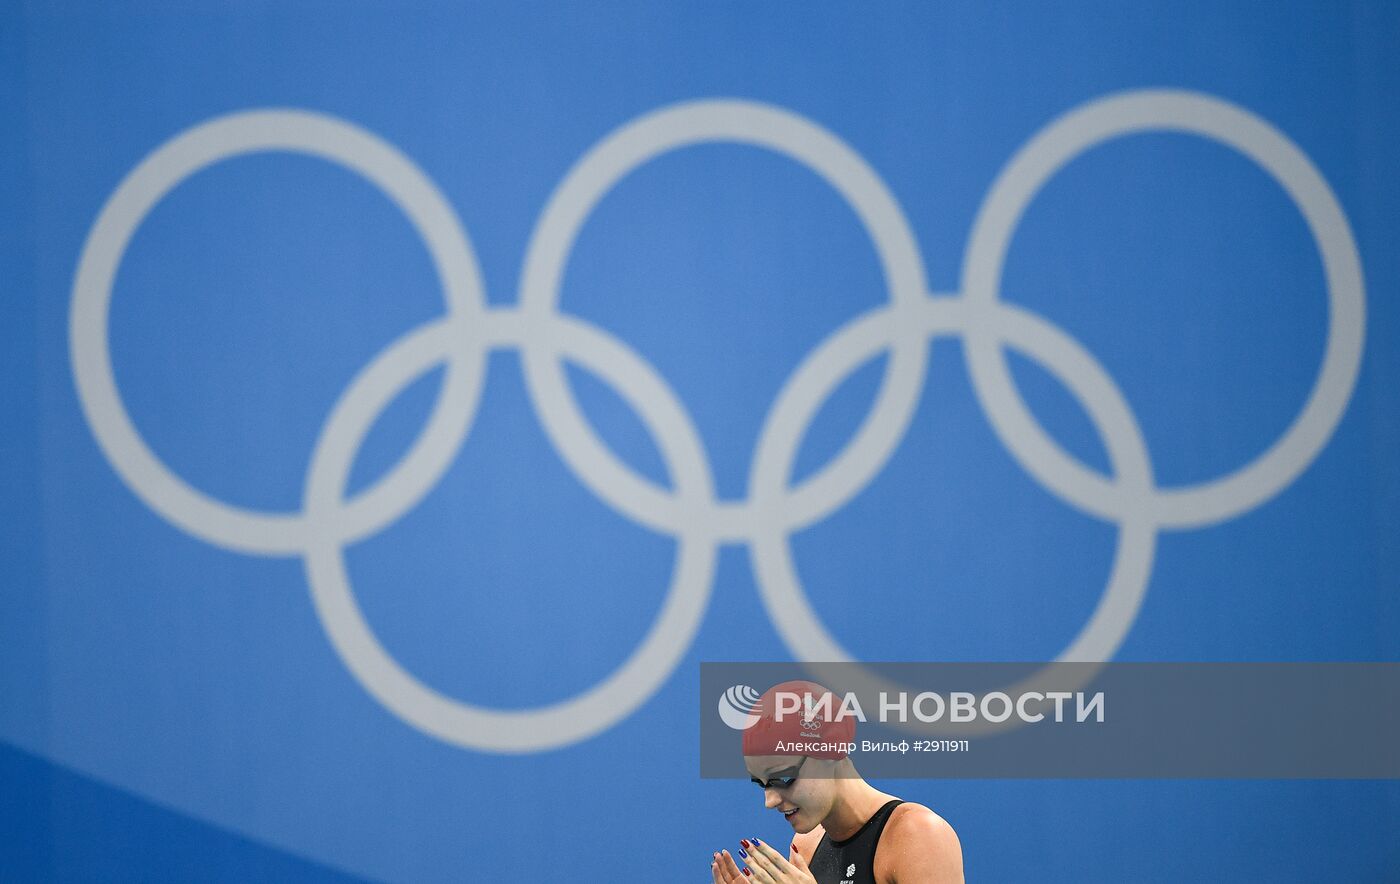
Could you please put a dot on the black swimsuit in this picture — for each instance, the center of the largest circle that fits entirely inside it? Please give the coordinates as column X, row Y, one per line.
column 851, row 861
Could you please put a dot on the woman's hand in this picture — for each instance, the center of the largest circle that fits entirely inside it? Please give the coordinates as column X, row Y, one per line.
column 771, row 867
column 725, row 871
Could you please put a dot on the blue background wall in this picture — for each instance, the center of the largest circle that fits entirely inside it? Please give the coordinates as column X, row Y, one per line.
column 172, row 707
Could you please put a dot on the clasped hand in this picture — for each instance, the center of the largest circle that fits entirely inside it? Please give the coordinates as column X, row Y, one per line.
column 762, row 864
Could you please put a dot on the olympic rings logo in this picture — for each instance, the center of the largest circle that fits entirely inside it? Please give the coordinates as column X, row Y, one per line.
column 690, row 510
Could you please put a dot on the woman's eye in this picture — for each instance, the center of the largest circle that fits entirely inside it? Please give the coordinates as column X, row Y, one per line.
column 775, row 783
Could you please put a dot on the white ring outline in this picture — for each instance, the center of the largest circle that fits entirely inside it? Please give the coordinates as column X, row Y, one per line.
column 1032, row 167
column 770, row 551
column 456, row 721
column 191, row 510
column 593, row 176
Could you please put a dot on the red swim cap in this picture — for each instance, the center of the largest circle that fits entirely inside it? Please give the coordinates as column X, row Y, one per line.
column 812, row 730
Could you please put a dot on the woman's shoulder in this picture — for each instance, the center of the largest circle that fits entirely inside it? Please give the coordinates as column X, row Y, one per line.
column 912, row 816
column 917, row 839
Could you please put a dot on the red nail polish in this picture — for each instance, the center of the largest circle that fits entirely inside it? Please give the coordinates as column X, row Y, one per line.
column 745, row 842
column 747, row 873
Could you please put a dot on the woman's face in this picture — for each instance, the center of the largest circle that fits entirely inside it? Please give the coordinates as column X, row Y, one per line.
column 793, row 786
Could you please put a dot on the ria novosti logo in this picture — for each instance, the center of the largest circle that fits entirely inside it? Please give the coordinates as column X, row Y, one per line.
column 736, row 707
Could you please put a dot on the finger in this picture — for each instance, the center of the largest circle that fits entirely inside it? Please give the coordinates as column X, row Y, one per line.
column 799, row 861
column 717, row 870
column 778, row 861
column 759, row 875
column 733, row 874
column 760, row 862
column 748, row 869
column 721, row 874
